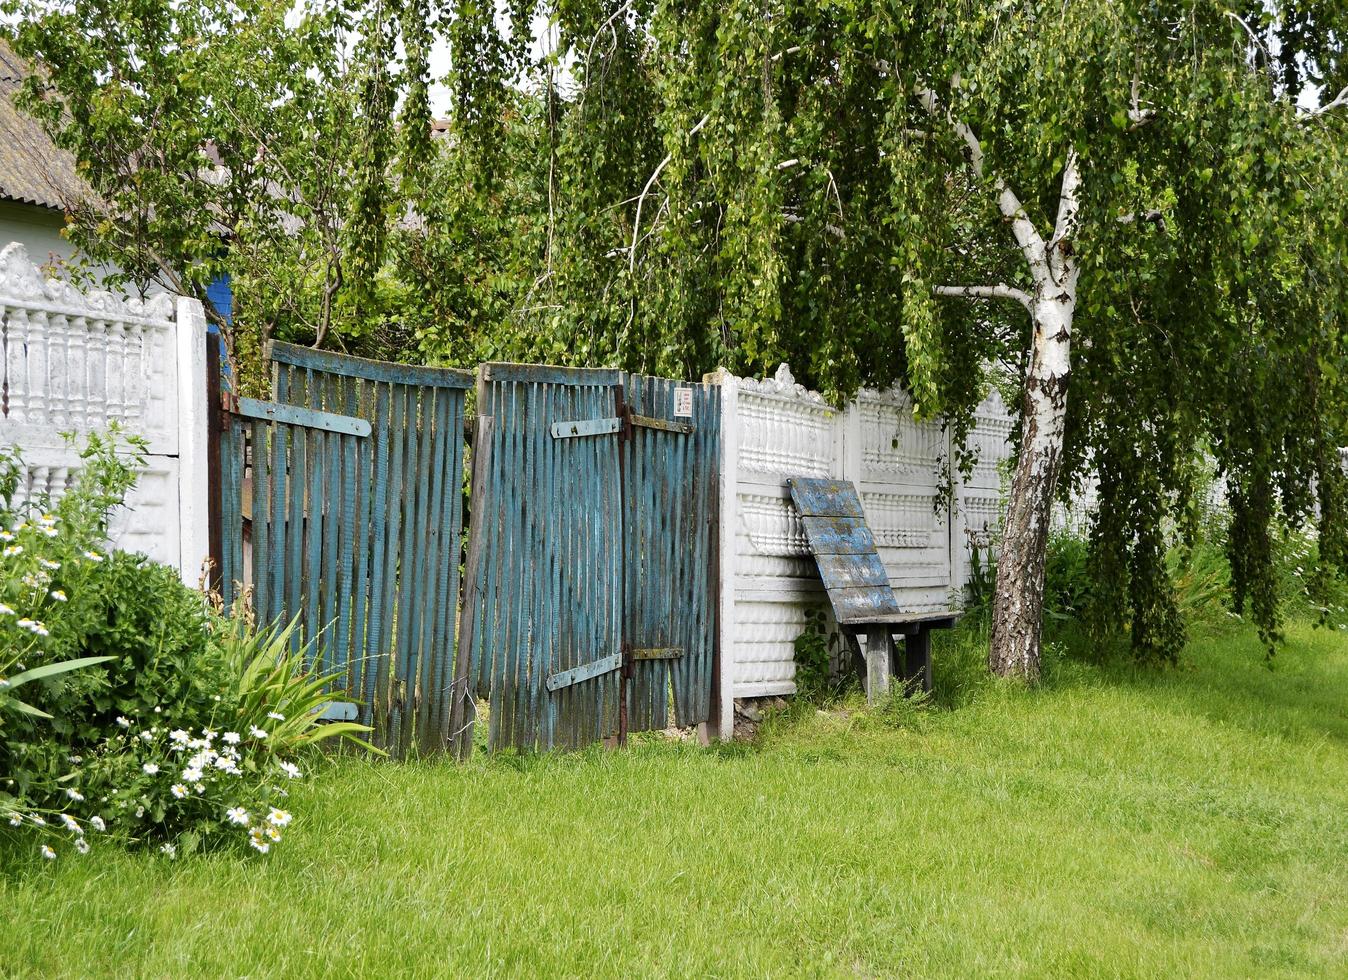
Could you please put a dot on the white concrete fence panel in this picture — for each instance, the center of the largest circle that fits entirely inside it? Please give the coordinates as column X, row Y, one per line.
column 74, row 361
column 774, row 429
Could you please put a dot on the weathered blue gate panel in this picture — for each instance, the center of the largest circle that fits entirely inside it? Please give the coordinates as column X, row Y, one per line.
column 670, row 469
column 544, row 593
column 357, row 483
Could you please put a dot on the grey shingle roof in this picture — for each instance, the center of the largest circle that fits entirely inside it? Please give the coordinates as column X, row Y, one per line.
column 32, row 169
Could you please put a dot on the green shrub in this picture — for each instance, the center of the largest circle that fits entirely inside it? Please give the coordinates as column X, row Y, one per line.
column 814, row 655
column 180, row 728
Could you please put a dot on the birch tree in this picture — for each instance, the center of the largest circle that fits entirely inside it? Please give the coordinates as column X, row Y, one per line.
column 1150, row 207
column 1118, row 209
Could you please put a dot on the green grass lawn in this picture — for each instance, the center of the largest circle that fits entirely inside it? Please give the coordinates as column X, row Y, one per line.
column 1113, row 822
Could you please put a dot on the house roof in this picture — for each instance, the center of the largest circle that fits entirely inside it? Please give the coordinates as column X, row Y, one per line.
column 33, row 169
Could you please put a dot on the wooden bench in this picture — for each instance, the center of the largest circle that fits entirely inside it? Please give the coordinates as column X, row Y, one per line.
column 858, row 587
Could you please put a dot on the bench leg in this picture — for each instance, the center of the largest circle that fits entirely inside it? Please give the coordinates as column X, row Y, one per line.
column 917, row 660
column 879, row 650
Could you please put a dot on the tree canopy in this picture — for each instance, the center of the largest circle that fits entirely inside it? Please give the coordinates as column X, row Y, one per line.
column 1120, row 212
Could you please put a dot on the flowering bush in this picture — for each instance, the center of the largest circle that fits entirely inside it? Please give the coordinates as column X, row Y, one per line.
column 181, row 727
column 179, row 787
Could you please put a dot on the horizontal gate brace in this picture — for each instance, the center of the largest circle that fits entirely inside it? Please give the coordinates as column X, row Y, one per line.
column 584, row 672
column 338, row 711
column 585, row 427
column 646, row 422
column 251, row 408
column 657, row 653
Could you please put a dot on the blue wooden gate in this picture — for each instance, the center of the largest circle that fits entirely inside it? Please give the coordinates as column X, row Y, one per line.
column 341, row 503
column 589, row 610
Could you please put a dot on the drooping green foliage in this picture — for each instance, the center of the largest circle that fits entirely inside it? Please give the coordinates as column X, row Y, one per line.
column 672, row 186
column 243, row 137
column 734, row 184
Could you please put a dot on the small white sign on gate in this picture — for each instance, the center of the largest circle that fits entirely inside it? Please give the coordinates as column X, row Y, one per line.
column 683, row 403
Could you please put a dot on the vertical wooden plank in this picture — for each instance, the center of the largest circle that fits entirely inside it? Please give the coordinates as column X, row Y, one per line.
column 474, row 570
column 261, row 510
column 332, row 520
column 387, row 683
column 315, row 504
column 506, row 666
column 347, row 597
column 222, row 492
column 496, row 545
column 403, row 574
column 274, row 594
column 418, row 591
column 427, row 732
column 389, row 462
column 297, row 480
column 454, row 497
column 550, row 567
column 367, row 553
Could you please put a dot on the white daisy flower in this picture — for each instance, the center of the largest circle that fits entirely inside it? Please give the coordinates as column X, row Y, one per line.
column 10, row 552
column 191, row 775
column 274, row 834
column 278, row 818
column 178, row 790
column 71, row 824
column 150, row 768
column 5, row 610
column 123, row 721
column 237, row 815
column 291, row 770
column 168, row 849
column 256, row 732
column 276, row 716
column 98, row 824
column 259, row 843
column 37, row 820
column 179, row 737
column 48, row 564
column 231, row 737
column 48, row 853
column 93, row 556
column 75, row 795
column 82, row 846
column 58, row 595
column 15, row 819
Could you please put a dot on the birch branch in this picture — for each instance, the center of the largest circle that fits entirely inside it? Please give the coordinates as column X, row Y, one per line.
column 1339, row 100
column 999, row 291
column 1027, row 236
column 1137, row 115
column 1069, row 212
column 636, row 224
column 1153, row 217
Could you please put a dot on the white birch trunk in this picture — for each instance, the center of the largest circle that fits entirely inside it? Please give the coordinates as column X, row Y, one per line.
column 1018, row 603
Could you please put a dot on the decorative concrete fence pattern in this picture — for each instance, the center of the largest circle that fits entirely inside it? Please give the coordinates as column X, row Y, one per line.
column 774, row 429
column 73, row 361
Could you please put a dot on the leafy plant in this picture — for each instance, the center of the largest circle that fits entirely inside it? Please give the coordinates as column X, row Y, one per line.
column 814, row 649
column 274, row 688
column 145, row 717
